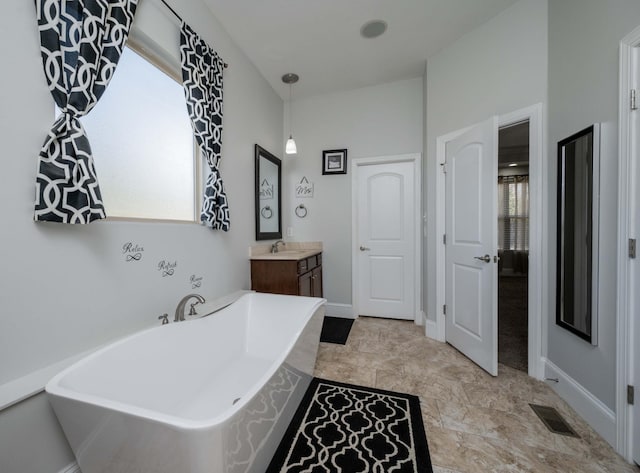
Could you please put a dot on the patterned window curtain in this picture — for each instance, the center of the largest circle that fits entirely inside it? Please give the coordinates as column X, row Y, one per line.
column 513, row 213
column 202, row 80
column 81, row 42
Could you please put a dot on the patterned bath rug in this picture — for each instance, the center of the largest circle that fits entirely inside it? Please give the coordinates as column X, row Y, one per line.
column 343, row 428
column 335, row 330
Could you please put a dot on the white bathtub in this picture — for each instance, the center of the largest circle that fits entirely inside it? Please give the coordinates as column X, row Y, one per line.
column 210, row 395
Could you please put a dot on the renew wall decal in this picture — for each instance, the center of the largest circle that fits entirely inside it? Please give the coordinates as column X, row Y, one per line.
column 195, row 281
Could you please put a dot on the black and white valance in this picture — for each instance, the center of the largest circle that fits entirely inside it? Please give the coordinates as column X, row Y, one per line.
column 81, row 42
column 202, row 80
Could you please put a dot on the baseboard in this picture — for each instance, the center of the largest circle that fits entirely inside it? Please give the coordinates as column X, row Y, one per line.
column 591, row 409
column 71, row 468
column 340, row 310
column 430, row 328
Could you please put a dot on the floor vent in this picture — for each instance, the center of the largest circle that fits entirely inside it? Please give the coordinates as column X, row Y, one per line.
column 552, row 419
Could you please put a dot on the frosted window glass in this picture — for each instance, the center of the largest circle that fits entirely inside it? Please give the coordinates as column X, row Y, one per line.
column 142, row 144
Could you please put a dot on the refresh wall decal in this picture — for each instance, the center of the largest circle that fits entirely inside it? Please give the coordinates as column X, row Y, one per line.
column 167, row 268
column 132, row 252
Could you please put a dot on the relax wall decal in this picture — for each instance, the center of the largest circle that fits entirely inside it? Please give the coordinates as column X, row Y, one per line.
column 132, row 252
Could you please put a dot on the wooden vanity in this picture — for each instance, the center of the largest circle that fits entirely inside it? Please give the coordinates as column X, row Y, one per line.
column 297, row 272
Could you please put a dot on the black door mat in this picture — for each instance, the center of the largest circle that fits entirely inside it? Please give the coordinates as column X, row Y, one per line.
column 553, row 420
column 343, row 428
column 335, row 330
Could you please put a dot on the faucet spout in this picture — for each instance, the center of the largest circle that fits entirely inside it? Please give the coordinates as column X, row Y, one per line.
column 179, row 315
column 274, row 247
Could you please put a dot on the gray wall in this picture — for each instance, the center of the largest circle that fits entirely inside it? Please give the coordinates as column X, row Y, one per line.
column 65, row 289
column 497, row 68
column 584, row 36
column 371, row 121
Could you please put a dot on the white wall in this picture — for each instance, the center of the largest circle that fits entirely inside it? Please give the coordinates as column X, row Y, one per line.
column 65, row 289
column 497, row 68
column 371, row 121
column 584, row 36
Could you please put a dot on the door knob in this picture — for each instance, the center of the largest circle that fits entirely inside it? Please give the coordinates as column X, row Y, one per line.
column 485, row 258
column 364, row 248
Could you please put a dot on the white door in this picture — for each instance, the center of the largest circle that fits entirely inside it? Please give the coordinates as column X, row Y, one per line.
column 471, row 244
column 386, row 240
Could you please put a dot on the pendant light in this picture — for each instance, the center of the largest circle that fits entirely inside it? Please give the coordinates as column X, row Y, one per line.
column 290, row 79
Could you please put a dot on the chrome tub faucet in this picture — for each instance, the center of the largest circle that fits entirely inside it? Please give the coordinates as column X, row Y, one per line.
column 179, row 316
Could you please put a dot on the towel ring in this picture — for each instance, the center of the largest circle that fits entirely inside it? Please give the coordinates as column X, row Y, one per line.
column 266, row 212
column 301, row 211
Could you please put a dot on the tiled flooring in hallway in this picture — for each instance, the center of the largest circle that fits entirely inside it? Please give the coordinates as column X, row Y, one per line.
column 475, row 423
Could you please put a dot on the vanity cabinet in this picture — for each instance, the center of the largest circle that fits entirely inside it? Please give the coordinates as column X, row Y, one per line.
column 310, row 283
column 297, row 277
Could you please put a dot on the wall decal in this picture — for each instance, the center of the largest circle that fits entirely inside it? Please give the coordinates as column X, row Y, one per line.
column 132, row 252
column 196, row 281
column 304, row 188
column 167, row 268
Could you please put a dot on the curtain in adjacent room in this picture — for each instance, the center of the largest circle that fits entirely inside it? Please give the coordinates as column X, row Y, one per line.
column 513, row 213
column 81, row 42
column 202, row 80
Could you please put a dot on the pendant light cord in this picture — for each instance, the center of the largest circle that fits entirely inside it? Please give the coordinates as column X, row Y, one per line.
column 290, row 114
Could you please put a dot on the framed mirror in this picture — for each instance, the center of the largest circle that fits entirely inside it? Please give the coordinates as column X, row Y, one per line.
column 577, row 263
column 268, row 195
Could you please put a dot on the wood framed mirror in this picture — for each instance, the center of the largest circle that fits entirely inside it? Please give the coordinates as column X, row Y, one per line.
column 268, row 172
column 578, row 223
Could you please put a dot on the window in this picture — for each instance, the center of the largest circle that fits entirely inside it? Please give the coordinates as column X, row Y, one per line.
column 513, row 213
column 143, row 145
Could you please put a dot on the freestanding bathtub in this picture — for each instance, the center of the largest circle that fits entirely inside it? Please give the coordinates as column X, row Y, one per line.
column 209, row 395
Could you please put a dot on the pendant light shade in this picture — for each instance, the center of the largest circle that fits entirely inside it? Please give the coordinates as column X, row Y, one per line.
column 290, row 147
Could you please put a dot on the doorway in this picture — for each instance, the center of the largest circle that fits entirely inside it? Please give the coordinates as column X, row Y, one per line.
column 513, row 245
column 628, row 329
column 536, row 294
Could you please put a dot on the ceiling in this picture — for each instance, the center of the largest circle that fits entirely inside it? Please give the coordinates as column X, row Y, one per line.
column 320, row 39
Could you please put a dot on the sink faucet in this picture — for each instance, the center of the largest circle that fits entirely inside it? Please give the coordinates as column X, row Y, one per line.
column 183, row 303
column 274, row 247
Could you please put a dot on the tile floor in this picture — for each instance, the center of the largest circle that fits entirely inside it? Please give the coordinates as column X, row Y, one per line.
column 475, row 423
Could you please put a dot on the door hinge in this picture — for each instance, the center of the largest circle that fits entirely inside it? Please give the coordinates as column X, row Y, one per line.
column 444, row 239
column 444, row 167
column 633, row 100
column 632, row 247
column 630, row 394
column 444, row 309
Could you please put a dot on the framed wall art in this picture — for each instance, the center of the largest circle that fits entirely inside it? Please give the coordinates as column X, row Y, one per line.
column 334, row 161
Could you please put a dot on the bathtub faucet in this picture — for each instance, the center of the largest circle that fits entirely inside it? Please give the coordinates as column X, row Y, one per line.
column 183, row 303
column 274, row 247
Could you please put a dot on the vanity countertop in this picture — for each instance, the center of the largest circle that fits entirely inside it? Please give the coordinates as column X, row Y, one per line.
column 292, row 251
